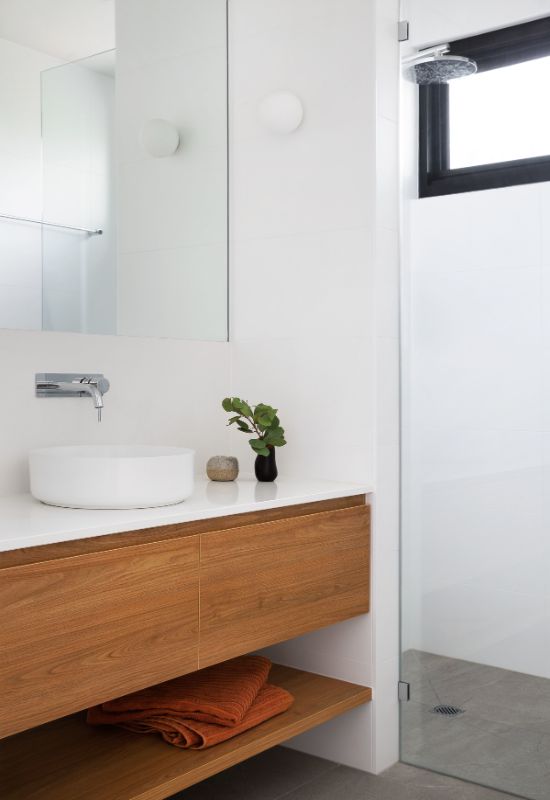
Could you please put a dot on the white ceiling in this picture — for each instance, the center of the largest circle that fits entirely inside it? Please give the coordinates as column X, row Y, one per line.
column 67, row 29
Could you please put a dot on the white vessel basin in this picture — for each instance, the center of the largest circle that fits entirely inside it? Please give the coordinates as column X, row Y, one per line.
column 112, row 476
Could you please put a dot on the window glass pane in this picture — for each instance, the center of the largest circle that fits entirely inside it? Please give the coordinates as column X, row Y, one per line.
column 500, row 115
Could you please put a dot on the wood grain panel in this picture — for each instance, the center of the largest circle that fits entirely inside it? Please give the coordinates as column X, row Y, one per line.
column 68, row 760
column 77, row 631
column 269, row 582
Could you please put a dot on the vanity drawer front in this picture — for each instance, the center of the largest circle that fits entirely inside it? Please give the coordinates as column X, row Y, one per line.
column 265, row 583
column 77, row 631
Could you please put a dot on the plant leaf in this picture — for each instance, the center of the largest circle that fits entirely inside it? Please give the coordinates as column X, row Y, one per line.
column 242, row 407
column 227, row 404
column 259, row 447
column 275, row 437
column 264, row 415
column 243, row 426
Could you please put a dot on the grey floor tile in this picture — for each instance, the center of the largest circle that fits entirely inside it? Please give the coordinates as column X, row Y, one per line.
column 426, row 661
column 349, row 784
column 437, row 679
column 503, row 738
column 267, row 776
column 457, row 682
column 516, row 699
column 437, row 785
column 344, row 783
column 282, row 774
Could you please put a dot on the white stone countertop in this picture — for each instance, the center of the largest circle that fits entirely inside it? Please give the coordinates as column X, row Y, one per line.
column 25, row 522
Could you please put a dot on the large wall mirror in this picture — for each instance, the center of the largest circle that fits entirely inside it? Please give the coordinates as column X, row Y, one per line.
column 113, row 167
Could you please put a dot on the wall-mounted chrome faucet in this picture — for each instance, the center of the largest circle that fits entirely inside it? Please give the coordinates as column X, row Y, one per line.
column 62, row 384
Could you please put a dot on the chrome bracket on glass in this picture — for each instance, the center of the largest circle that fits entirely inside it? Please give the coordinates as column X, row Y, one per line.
column 403, row 691
column 71, row 384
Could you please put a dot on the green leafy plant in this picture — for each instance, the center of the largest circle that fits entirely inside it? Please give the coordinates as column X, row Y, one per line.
column 260, row 420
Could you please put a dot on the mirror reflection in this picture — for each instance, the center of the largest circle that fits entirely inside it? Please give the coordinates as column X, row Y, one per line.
column 113, row 157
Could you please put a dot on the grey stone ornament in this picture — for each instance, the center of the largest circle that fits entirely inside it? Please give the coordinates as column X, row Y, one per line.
column 222, row 468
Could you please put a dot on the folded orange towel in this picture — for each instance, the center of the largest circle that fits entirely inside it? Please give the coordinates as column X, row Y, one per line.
column 221, row 694
column 192, row 733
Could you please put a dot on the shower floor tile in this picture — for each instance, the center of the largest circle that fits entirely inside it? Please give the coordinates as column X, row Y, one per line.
column 501, row 740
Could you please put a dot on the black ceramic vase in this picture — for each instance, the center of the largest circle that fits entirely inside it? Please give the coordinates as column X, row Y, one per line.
column 265, row 467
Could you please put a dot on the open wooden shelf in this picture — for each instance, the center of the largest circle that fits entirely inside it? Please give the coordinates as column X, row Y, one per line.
column 69, row 760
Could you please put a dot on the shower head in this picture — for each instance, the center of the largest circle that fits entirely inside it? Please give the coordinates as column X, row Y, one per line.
column 438, row 66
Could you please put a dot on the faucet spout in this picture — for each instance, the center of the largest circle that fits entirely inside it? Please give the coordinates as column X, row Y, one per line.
column 60, row 385
column 93, row 390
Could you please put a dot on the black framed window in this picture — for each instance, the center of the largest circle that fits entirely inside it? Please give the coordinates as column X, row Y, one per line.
column 491, row 129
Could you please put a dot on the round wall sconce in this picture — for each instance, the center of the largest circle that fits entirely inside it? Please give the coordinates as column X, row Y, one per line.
column 281, row 112
column 160, row 138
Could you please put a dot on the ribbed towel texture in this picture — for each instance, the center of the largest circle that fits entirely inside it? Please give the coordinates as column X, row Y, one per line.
column 201, row 709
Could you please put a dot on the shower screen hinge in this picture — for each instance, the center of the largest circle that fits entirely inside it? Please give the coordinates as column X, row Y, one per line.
column 403, row 691
column 403, row 30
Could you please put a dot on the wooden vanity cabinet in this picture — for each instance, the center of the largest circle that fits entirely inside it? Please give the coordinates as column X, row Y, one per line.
column 94, row 619
column 276, row 580
column 78, row 630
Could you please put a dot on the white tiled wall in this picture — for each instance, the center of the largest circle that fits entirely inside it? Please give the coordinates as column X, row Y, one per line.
column 162, row 392
column 315, row 299
column 479, row 396
column 303, row 229
column 477, row 515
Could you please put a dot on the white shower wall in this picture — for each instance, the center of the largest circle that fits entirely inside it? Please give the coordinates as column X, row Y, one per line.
column 480, row 427
column 477, row 398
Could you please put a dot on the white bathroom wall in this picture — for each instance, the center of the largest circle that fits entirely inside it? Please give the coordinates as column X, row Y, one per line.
column 480, row 390
column 314, row 299
column 162, row 392
column 21, row 184
column 386, row 342
column 477, row 517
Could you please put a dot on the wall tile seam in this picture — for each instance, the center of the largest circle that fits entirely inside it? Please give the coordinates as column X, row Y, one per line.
column 236, row 239
column 173, row 249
